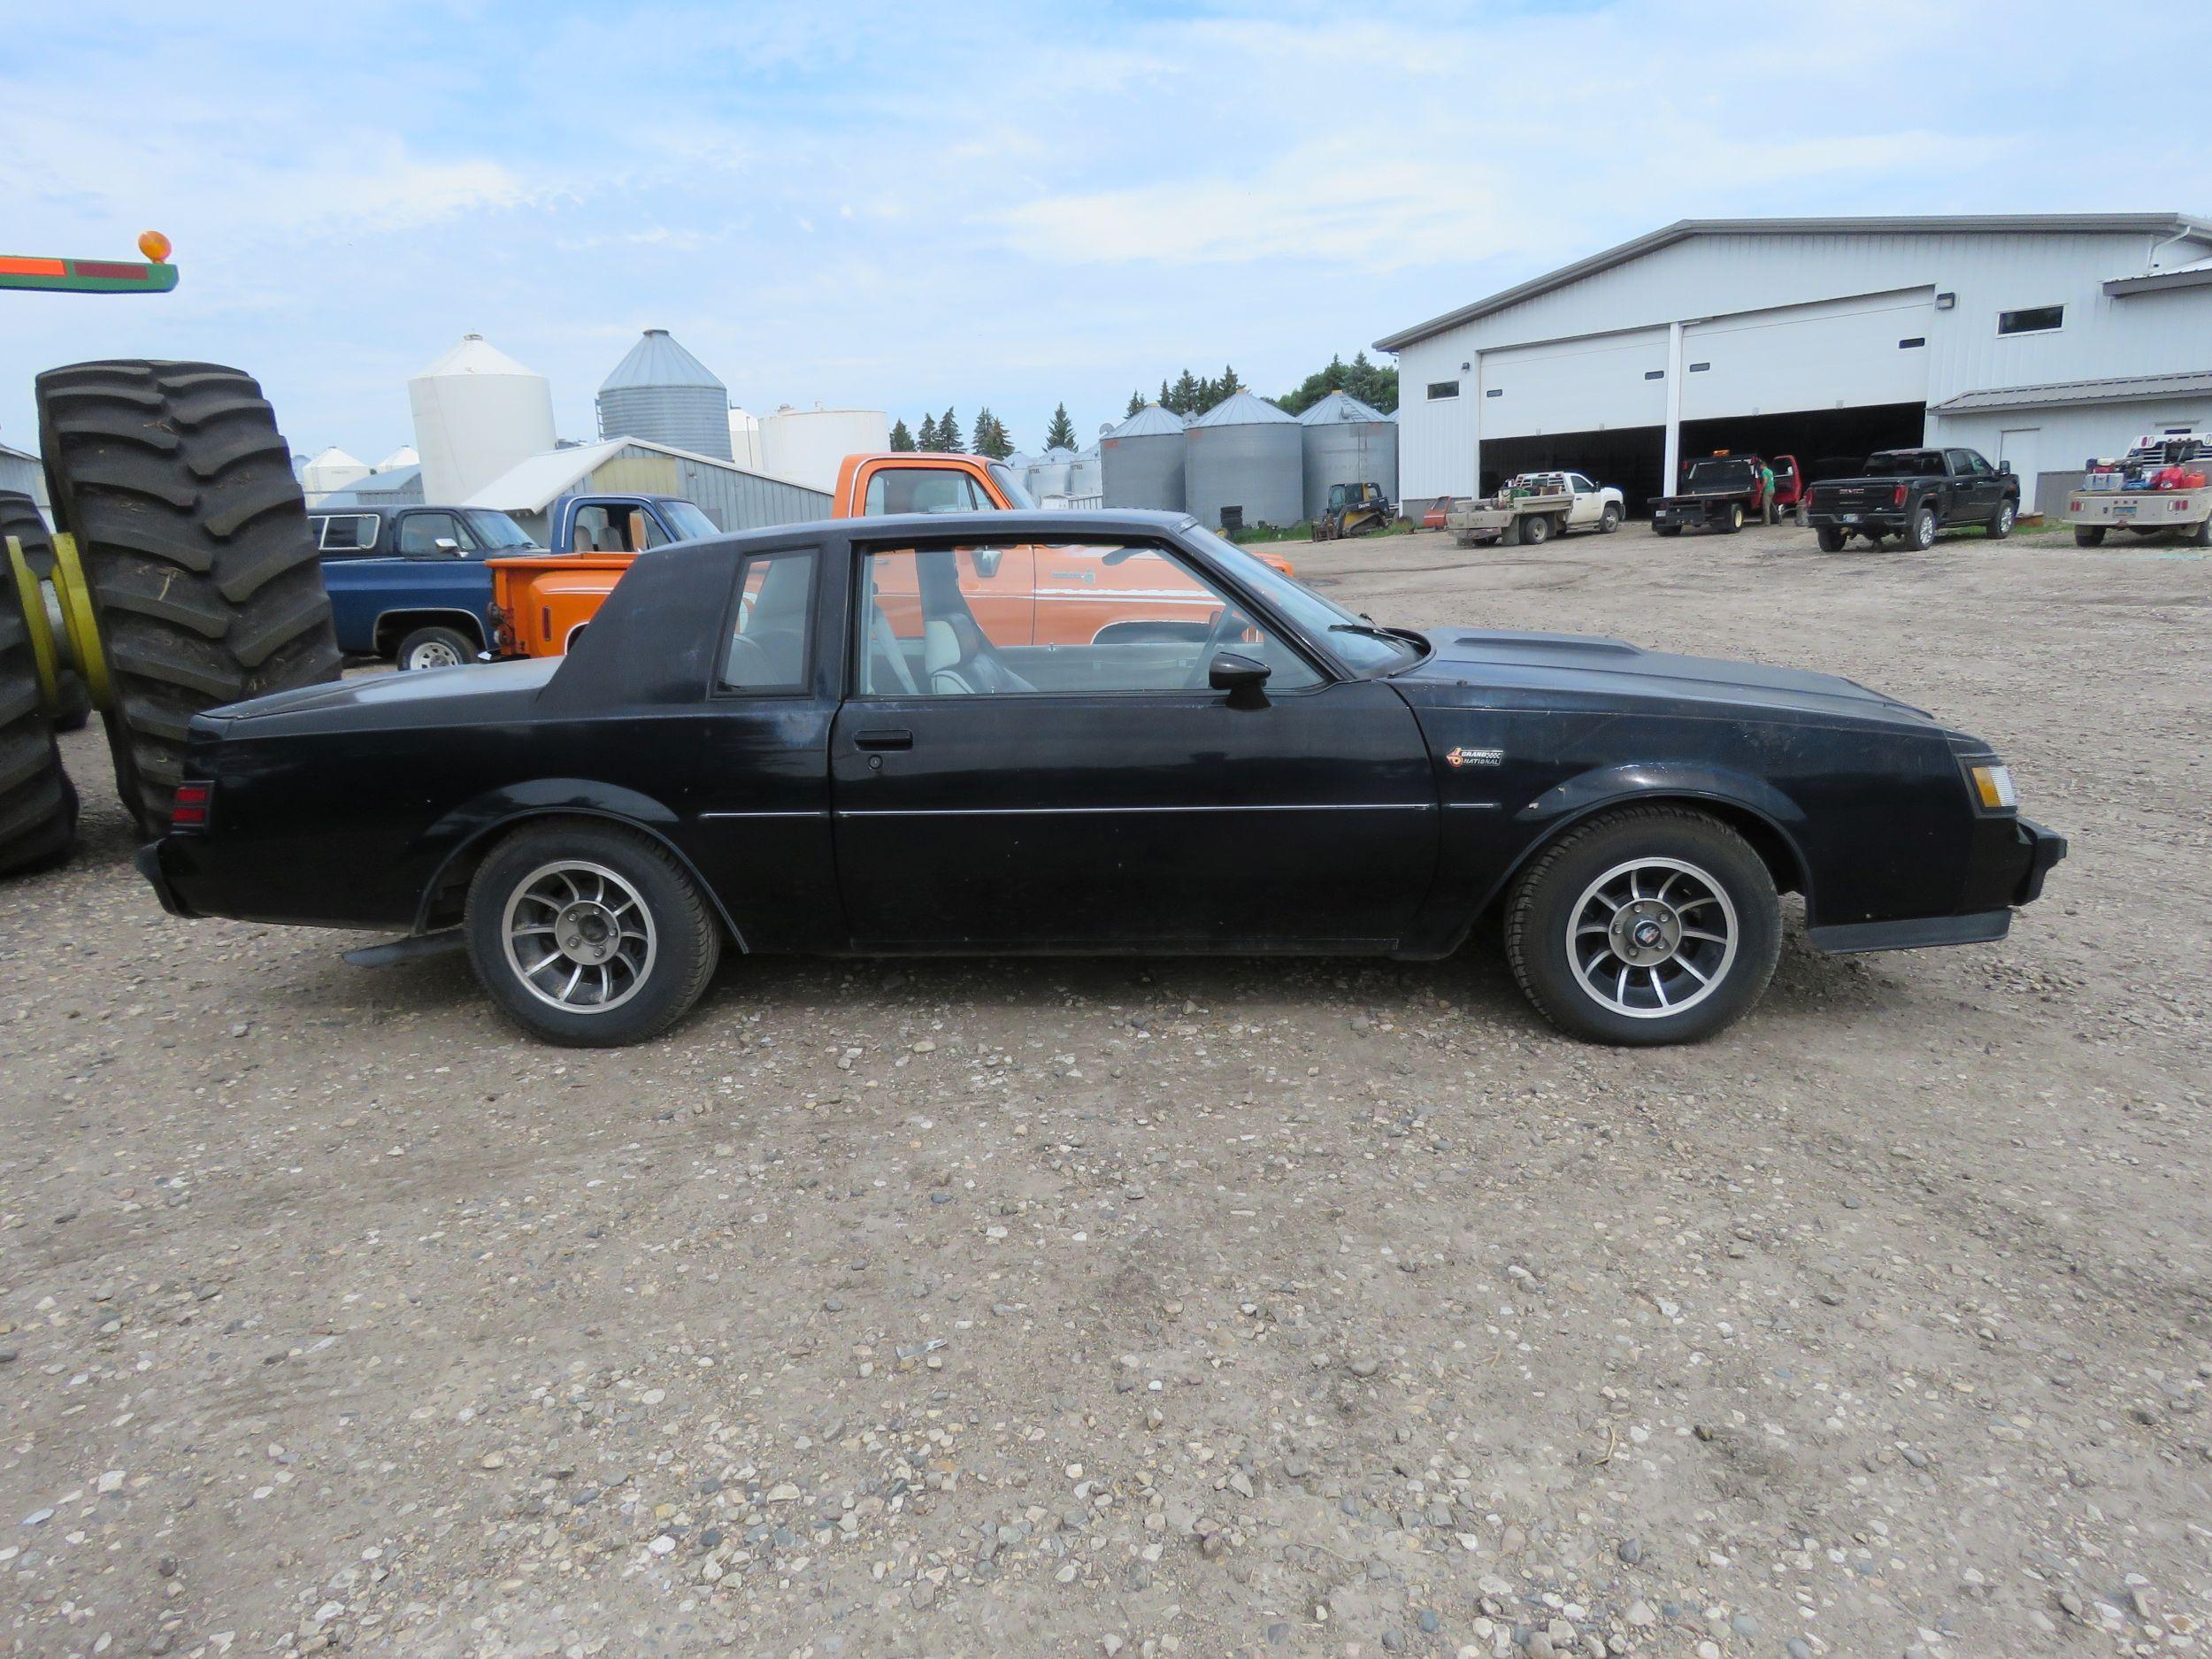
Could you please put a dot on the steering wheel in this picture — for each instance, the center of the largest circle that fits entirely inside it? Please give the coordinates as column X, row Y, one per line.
column 1217, row 636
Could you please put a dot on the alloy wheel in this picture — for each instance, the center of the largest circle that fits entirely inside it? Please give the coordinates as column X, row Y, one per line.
column 579, row 937
column 1652, row 938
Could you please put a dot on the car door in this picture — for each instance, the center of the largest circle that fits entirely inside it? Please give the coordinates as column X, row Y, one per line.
column 1100, row 795
column 440, row 565
column 1967, row 489
column 1586, row 506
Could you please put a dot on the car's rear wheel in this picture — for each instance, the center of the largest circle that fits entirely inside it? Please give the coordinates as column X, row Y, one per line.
column 1920, row 533
column 2000, row 524
column 589, row 935
column 2088, row 535
column 1536, row 529
column 2200, row 536
column 436, row 648
column 1830, row 538
column 1651, row 925
column 1666, row 529
column 1735, row 518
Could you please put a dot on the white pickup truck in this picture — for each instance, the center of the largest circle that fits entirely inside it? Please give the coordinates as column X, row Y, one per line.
column 2162, row 485
column 1533, row 507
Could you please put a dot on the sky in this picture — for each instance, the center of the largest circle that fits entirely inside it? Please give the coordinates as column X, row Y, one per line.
column 912, row 207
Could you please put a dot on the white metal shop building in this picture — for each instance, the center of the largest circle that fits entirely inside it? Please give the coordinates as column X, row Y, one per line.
column 2040, row 340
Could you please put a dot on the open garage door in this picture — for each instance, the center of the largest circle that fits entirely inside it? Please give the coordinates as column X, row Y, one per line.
column 1632, row 458
column 1827, row 442
column 1838, row 354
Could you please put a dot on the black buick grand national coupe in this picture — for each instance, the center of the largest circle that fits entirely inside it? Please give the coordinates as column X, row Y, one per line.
column 1088, row 733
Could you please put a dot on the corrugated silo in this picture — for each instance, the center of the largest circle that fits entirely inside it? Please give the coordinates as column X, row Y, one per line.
column 1048, row 474
column 478, row 412
column 1347, row 441
column 663, row 394
column 1246, row 462
column 1141, row 461
column 1083, row 476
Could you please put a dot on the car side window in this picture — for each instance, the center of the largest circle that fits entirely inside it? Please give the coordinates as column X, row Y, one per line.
column 1090, row 618
column 345, row 534
column 775, row 617
column 419, row 534
column 894, row 490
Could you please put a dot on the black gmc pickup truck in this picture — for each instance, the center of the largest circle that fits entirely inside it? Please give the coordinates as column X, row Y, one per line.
column 1911, row 493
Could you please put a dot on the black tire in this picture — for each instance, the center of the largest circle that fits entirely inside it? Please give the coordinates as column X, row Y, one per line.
column 1920, row 534
column 194, row 541
column 1666, row 529
column 684, row 939
column 1831, row 538
column 2200, row 536
column 1610, row 520
column 2001, row 521
column 38, row 808
column 19, row 518
column 2089, row 536
column 1735, row 517
column 436, row 648
column 1536, row 529
column 1557, row 888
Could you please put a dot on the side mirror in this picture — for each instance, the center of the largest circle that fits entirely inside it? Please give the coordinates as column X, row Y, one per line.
column 987, row 559
column 446, row 544
column 1241, row 677
column 2004, row 469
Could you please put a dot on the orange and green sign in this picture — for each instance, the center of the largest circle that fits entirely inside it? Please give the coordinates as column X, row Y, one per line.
column 94, row 276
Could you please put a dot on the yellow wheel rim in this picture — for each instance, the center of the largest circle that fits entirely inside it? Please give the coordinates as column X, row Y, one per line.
column 32, row 603
column 79, row 617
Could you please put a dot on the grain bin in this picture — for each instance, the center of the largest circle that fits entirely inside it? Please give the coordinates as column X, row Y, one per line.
column 1048, row 473
column 1347, row 442
column 664, row 395
column 477, row 413
column 1245, row 463
column 1141, row 461
column 807, row 446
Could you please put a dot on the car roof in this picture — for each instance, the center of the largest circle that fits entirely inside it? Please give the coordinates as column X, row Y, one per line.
column 1039, row 525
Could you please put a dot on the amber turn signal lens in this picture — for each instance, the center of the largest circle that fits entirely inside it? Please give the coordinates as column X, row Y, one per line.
column 1994, row 786
column 154, row 245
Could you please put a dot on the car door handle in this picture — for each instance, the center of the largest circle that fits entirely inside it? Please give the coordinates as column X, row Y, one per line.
column 883, row 740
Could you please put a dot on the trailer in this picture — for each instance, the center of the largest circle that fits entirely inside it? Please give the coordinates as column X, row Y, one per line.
column 2161, row 487
column 1533, row 508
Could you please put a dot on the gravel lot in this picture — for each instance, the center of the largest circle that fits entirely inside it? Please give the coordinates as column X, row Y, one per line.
column 1166, row 1306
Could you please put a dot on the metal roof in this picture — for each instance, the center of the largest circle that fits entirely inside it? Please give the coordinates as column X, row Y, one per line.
column 397, row 479
column 533, row 484
column 1341, row 408
column 1153, row 420
column 1683, row 229
column 2120, row 388
column 1240, row 409
column 658, row 360
column 471, row 355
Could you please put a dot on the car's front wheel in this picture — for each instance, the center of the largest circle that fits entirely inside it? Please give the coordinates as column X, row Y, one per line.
column 588, row 934
column 436, row 648
column 2001, row 525
column 1610, row 520
column 1650, row 925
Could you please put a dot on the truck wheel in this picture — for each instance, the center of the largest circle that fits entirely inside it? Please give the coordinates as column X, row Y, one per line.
column 2008, row 515
column 194, row 541
column 2201, row 536
column 1654, row 925
column 1666, row 529
column 1831, row 538
column 19, row 518
column 2088, row 535
column 38, row 808
column 1610, row 520
column 1464, row 541
column 589, row 935
column 436, row 648
column 1536, row 529
column 1735, row 517
column 1921, row 533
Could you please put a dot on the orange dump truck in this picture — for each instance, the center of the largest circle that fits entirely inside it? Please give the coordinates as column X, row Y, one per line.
column 1029, row 595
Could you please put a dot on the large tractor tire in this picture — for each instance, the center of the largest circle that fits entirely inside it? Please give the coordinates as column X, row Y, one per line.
column 19, row 518
column 193, row 540
column 38, row 809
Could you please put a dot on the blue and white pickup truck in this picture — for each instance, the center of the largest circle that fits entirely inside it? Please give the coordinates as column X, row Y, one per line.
column 409, row 584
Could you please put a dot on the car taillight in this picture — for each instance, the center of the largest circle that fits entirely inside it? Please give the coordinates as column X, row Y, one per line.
column 1897, row 496
column 194, row 802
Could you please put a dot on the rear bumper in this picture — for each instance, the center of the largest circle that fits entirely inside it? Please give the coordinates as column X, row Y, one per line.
column 2006, row 868
column 1883, row 519
column 149, row 862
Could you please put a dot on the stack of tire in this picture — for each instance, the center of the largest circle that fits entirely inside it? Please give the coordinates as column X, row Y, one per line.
column 202, row 578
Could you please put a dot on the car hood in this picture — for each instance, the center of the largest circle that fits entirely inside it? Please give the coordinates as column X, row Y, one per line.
column 431, row 696
column 1613, row 670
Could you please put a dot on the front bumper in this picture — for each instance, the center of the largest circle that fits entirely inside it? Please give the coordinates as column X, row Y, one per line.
column 149, row 862
column 2011, row 858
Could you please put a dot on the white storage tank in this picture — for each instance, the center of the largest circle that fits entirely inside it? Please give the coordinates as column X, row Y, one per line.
column 404, row 455
column 1141, row 461
column 333, row 469
column 661, row 393
column 745, row 439
column 806, row 446
column 1048, row 474
column 477, row 413
column 1347, row 441
column 1244, row 464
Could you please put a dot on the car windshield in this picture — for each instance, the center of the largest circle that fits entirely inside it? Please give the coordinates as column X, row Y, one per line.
column 1017, row 497
column 687, row 523
column 1720, row 475
column 1904, row 463
column 1360, row 645
column 498, row 530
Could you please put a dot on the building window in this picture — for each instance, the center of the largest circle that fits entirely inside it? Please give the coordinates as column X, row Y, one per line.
column 1700, row 368
column 2036, row 319
column 1441, row 389
column 1654, row 374
column 1916, row 340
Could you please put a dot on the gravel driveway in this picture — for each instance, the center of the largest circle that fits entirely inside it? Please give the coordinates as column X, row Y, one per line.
column 1166, row 1306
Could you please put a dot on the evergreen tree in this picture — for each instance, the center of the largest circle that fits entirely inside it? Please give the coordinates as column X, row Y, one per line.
column 1167, row 398
column 949, row 432
column 1136, row 403
column 1188, row 399
column 928, row 439
column 990, row 436
column 1228, row 385
column 901, row 439
column 1061, row 434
